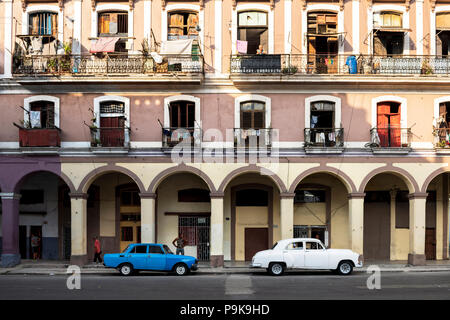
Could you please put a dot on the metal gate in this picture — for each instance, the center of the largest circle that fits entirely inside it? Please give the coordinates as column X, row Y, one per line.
column 196, row 232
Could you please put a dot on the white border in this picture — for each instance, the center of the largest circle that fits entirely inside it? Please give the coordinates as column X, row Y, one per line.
column 8, row 17
column 189, row 7
column 29, row 100
column 403, row 109
column 287, row 26
column 148, row 20
column 437, row 102
column 169, row 100
column 323, row 7
column 252, row 97
column 438, row 9
column 355, row 26
column 337, row 109
column 249, row 7
column 125, row 101
column 394, row 8
column 116, row 7
column 218, row 36
column 77, row 21
column 46, row 8
column 419, row 27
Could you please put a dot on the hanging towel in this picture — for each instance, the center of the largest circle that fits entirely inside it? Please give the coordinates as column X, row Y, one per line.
column 176, row 47
column 104, row 44
column 241, row 46
column 156, row 57
column 35, row 119
column 36, row 44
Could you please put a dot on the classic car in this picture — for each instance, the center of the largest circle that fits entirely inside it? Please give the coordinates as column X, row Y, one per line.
column 305, row 253
column 149, row 256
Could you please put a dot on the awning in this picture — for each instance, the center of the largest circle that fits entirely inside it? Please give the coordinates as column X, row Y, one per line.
column 103, row 44
column 176, row 47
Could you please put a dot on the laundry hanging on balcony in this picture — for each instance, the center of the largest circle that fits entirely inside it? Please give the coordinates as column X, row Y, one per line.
column 104, row 44
column 176, row 47
column 241, row 46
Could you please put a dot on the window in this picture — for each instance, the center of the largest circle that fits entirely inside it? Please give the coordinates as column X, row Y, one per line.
column 252, row 198
column 130, row 198
column 113, row 23
column 322, row 22
column 252, row 115
column 296, row 246
column 193, row 195
column 402, row 209
column 252, row 27
column 42, row 114
column 139, row 249
column 316, row 232
column 443, row 123
column 313, row 246
column 43, row 23
column 112, row 124
column 182, row 25
column 155, row 249
column 309, row 196
column 388, row 42
column 443, row 34
column 182, row 114
column 377, row 196
column 126, row 234
column 322, row 115
column 31, row 196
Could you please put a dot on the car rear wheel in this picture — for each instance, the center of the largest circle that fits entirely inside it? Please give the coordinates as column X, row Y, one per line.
column 181, row 269
column 345, row 268
column 276, row 269
column 126, row 269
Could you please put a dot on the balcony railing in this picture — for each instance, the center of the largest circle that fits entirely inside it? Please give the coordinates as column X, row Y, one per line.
column 298, row 64
column 109, row 137
column 183, row 137
column 390, row 137
column 39, row 137
column 107, row 65
column 253, row 138
column 324, row 137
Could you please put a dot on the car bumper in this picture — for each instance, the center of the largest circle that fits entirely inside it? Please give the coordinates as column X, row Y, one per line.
column 194, row 267
column 255, row 265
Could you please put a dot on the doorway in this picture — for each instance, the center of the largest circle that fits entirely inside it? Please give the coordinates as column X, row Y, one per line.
column 23, row 242
column 36, row 230
column 256, row 239
column 388, row 124
column 130, row 216
column 195, row 230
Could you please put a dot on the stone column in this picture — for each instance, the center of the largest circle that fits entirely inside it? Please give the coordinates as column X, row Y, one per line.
column 417, row 205
column 356, row 221
column 10, row 229
column 287, row 215
column 148, row 217
column 216, row 232
column 78, row 208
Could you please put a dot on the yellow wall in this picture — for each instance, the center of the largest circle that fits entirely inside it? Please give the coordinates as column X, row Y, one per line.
column 248, row 217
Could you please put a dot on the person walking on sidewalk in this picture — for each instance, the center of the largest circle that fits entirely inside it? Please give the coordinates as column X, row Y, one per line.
column 179, row 243
column 35, row 241
column 98, row 250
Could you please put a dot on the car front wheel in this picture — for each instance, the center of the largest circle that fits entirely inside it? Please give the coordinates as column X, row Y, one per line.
column 126, row 269
column 276, row 269
column 345, row 268
column 181, row 269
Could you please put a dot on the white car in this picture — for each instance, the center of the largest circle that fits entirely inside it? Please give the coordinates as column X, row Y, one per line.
column 306, row 253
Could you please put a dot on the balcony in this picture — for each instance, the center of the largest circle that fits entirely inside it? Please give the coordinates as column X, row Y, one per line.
column 39, row 137
column 442, row 140
column 109, row 137
column 253, row 139
column 106, row 65
column 190, row 137
column 390, row 140
column 324, row 140
column 298, row 64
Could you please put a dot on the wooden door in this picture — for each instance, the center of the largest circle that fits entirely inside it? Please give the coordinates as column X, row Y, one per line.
column 112, row 131
column 256, row 239
column 93, row 219
column 377, row 232
column 430, row 244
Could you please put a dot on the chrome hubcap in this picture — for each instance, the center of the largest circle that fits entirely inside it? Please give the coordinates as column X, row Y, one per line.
column 277, row 269
column 180, row 270
column 125, row 269
column 345, row 268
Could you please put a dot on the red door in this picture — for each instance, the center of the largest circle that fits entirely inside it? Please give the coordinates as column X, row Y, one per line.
column 388, row 124
column 112, row 131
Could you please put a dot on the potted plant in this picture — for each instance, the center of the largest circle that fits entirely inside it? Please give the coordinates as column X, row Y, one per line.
column 426, row 68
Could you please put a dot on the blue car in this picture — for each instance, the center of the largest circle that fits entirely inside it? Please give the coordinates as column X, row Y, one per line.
column 149, row 256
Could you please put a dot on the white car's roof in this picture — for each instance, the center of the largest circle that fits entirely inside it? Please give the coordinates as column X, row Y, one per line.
column 283, row 243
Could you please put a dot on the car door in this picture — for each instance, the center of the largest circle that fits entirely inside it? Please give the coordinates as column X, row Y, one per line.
column 156, row 258
column 137, row 256
column 316, row 256
column 294, row 255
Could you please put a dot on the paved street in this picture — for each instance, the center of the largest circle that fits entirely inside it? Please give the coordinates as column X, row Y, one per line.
column 298, row 285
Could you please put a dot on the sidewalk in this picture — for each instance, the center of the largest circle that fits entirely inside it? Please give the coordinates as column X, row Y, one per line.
column 30, row 267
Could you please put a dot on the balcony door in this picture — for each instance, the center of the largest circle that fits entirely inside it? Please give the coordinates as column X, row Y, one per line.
column 388, row 124
column 322, row 121
column 252, row 28
column 253, row 119
column 112, row 124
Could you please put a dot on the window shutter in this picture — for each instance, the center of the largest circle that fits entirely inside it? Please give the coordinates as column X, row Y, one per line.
column 246, row 120
column 258, row 120
column 54, row 25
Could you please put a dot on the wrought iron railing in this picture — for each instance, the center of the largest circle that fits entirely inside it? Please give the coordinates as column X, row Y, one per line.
column 107, row 64
column 109, row 137
column 284, row 64
column 182, row 137
column 253, row 138
column 324, row 137
column 390, row 137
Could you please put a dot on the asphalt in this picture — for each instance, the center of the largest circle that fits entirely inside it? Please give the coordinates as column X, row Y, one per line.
column 60, row 267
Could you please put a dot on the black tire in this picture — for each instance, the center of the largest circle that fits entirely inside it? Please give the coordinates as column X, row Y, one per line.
column 344, row 268
column 126, row 269
column 276, row 269
column 181, row 269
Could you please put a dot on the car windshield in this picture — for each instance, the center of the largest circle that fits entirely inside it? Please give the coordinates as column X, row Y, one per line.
column 167, row 249
column 274, row 245
column 125, row 250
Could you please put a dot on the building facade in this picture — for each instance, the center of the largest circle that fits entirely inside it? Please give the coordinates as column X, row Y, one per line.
column 233, row 123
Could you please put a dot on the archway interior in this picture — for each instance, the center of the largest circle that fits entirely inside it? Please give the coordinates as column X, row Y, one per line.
column 386, row 218
column 321, row 210
column 183, row 207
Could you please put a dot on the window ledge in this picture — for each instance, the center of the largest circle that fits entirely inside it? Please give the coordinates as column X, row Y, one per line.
column 40, row 150
column 394, row 151
column 109, row 150
column 324, row 150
